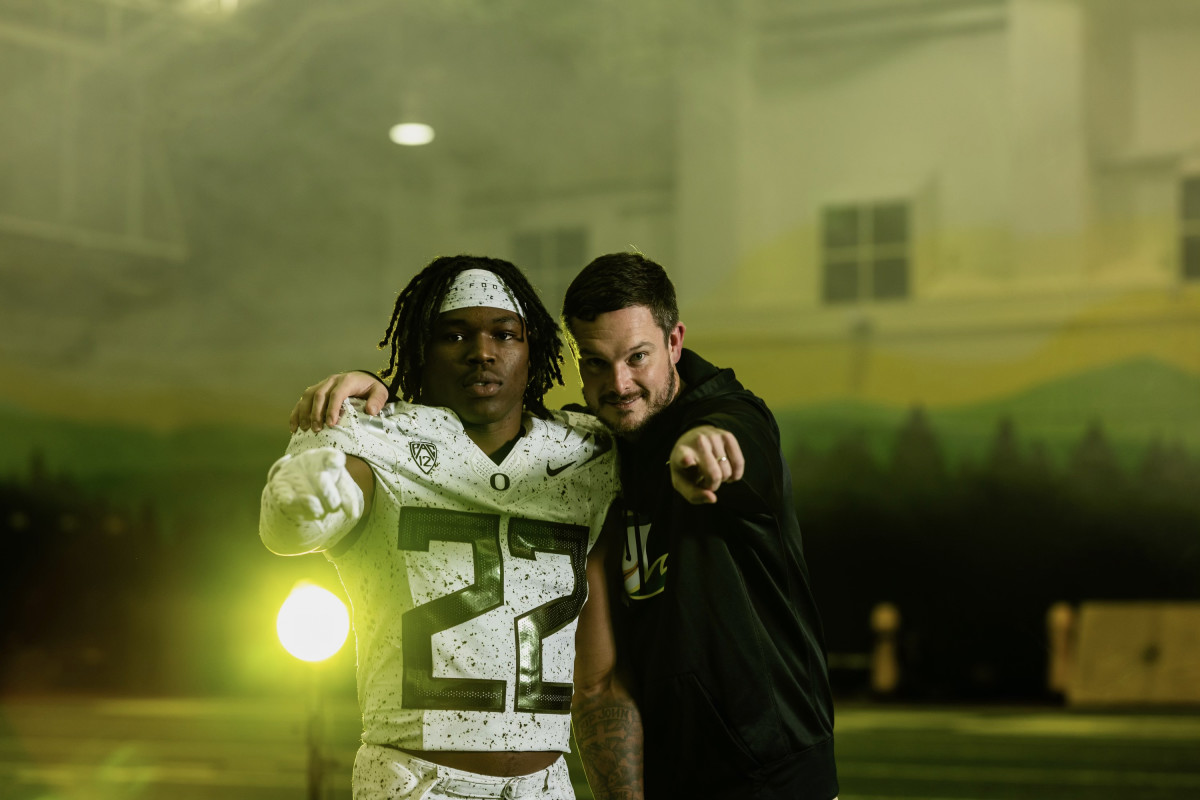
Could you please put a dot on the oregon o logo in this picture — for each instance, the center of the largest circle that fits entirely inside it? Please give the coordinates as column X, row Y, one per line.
column 500, row 482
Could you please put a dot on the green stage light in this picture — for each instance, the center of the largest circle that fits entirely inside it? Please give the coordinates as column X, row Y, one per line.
column 313, row 623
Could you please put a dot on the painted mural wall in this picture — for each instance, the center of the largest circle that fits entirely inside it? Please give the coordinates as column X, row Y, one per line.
column 954, row 247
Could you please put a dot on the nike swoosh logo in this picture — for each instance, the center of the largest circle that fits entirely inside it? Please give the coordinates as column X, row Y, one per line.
column 552, row 472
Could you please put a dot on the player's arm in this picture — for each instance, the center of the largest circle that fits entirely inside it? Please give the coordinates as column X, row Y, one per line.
column 321, row 403
column 313, row 500
column 608, row 726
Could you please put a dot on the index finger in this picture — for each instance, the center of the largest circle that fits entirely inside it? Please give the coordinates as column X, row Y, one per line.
column 689, row 491
column 301, row 412
column 316, row 413
column 294, row 418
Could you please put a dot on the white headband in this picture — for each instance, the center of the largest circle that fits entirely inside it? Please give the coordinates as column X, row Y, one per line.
column 479, row 287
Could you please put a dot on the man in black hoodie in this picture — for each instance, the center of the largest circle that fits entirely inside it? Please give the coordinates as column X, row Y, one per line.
column 719, row 625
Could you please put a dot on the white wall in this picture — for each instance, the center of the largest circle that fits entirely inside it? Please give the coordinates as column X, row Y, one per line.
column 1166, row 109
column 926, row 121
column 1041, row 155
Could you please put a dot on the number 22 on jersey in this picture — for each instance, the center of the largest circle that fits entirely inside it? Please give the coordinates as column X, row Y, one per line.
column 526, row 538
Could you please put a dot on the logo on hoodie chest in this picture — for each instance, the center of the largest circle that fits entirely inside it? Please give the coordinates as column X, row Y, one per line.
column 645, row 573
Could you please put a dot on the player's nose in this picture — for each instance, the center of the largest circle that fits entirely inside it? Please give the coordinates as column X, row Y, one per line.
column 481, row 349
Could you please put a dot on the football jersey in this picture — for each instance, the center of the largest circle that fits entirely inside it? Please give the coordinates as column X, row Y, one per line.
column 468, row 577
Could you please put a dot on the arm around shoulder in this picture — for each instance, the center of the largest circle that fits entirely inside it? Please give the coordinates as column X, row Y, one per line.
column 321, row 403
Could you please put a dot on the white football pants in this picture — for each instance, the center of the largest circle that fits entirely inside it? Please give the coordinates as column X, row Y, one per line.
column 384, row 773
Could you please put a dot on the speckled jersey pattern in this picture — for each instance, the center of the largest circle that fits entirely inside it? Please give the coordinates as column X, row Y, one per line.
column 468, row 577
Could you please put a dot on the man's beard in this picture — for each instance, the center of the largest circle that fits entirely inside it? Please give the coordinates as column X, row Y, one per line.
column 654, row 406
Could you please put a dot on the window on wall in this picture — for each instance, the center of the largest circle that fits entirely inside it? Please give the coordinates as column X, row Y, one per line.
column 865, row 252
column 551, row 259
column 1190, row 227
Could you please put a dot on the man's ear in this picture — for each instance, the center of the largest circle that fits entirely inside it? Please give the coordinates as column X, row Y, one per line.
column 675, row 341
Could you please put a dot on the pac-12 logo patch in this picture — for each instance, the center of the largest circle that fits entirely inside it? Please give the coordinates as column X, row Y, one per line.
column 424, row 455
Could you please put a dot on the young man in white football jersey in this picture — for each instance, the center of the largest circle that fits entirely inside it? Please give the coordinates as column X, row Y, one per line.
column 461, row 521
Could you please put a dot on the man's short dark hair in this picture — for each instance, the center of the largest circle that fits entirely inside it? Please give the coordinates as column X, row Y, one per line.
column 417, row 309
column 621, row 280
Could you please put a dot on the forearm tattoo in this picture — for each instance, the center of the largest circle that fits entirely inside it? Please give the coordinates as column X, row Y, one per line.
column 609, row 731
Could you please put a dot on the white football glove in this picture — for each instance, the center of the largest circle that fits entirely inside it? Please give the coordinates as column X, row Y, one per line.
column 310, row 502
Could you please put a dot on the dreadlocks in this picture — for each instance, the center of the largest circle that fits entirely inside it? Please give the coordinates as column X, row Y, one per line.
column 417, row 310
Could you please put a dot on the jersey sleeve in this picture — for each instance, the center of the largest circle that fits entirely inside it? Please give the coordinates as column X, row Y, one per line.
column 356, row 434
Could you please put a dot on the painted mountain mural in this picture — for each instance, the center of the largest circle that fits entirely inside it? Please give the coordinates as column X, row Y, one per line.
column 1138, row 404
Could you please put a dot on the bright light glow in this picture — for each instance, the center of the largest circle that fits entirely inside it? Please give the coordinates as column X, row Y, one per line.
column 313, row 623
column 411, row 133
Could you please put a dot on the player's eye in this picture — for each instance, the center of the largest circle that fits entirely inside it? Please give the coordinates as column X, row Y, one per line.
column 637, row 358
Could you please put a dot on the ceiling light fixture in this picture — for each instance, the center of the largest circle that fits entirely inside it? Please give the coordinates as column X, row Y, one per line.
column 411, row 134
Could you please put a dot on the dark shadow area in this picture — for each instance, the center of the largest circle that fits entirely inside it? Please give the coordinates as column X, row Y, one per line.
column 973, row 555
